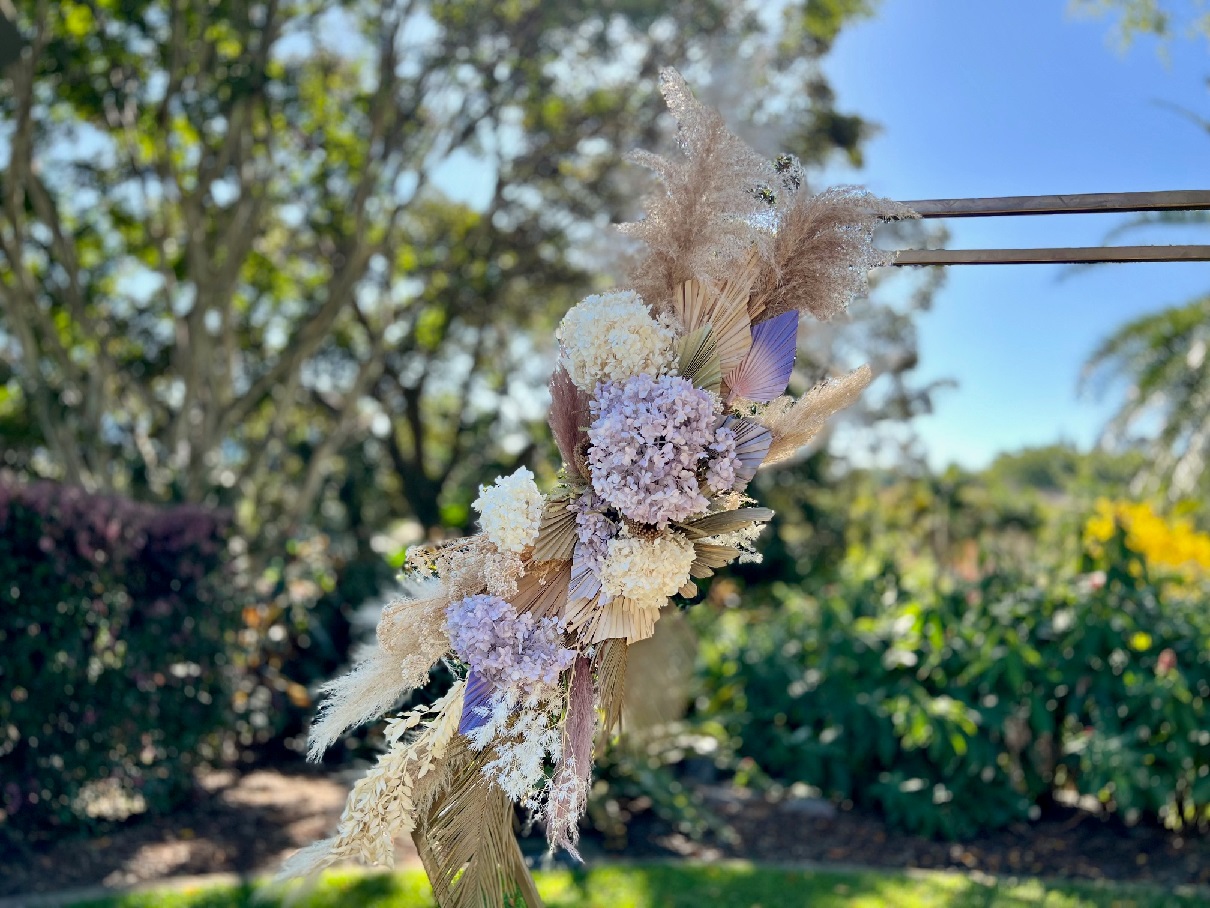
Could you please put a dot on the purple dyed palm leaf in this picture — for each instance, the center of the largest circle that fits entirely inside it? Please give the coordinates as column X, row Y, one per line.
column 751, row 446
column 475, row 703
column 765, row 371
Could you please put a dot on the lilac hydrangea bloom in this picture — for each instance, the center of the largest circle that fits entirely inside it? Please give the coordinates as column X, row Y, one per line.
column 720, row 473
column 646, row 443
column 506, row 649
column 593, row 530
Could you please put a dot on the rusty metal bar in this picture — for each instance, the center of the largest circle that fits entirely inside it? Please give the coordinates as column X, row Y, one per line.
column 1087, row 203
column 1087, row 255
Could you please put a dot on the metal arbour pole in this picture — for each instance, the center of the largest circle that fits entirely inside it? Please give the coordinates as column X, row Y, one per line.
column 1088, row 203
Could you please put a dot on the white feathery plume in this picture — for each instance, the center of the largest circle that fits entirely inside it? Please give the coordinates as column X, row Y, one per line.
column 411, row 637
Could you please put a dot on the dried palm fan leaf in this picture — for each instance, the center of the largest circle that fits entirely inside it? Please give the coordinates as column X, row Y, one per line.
column 698, row 361
column 697, row 305
column 584, row 586
column 557, row 533
column 766, row 369
column 823, row 252
column 752, row 442
column 543, row 589
column 622, row 619
column 702, row 225
column 793, row 423
column 724, row 522
column 466, row 842
column 710, row 557
column 609, row 665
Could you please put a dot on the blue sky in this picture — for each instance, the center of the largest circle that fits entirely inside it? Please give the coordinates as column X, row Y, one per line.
column 1022, row 98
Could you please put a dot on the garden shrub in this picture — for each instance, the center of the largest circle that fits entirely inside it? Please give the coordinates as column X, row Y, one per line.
column 956, row 707
column 115, row 618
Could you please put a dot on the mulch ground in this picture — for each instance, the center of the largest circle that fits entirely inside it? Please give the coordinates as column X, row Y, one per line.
column 247, row 824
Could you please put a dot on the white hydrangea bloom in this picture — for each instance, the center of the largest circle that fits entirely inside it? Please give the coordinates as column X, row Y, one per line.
column 510, row 510
column 612, row 337
column 646, row 571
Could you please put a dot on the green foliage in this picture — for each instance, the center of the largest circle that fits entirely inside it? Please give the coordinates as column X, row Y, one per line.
column 234, row 270
column 633, row 776
column 686, row 886
column 1162, row 359
column 1063, row 470
column 115, row 620
column 1151, row 17
column 957, row 706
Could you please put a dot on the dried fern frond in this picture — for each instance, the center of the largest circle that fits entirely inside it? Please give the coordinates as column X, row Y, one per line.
column 793, row 423
column 823, row 252
column 704, row 224
column 388, row 801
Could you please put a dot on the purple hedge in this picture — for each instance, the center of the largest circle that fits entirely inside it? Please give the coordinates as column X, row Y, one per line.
column 114, row 622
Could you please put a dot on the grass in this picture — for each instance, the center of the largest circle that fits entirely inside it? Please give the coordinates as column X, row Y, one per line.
column 690, row 886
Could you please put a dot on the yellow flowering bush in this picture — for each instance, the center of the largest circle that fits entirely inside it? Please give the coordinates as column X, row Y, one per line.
column 1163, row 543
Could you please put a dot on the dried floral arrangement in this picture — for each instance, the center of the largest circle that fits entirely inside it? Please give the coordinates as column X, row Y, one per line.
column 667, row 398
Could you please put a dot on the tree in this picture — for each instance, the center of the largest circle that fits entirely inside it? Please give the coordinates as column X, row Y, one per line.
column 1160, row 358
column 229, row 268
column 1163, row 359
column 1151, row 17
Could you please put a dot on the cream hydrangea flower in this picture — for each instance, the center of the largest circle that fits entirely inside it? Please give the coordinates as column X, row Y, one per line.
column 612, row 336
column 510, row 510
column 646, row 571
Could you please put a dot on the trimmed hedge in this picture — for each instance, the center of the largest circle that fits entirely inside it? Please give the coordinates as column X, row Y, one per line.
column 114, row 622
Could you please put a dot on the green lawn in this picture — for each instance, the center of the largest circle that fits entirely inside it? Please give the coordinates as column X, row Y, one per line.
column 681, row 886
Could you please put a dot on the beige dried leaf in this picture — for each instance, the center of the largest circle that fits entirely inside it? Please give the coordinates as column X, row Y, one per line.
column 698, row 361
column 543, row 589
column 724, row 522
column 696, row 305
column 710, row 557
column 619, row 619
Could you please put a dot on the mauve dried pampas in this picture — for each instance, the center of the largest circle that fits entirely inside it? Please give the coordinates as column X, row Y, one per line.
column 569, row 787
column 569, row 418
column 822, row 254
column 703, row 224
column 722, row 203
